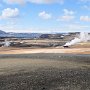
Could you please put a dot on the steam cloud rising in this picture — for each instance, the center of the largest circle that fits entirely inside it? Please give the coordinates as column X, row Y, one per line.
column 83, row 37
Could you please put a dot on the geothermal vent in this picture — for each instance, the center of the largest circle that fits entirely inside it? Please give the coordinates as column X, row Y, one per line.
column 83, row 37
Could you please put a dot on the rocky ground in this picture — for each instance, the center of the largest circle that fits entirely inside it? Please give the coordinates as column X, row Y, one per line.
column 45, row 72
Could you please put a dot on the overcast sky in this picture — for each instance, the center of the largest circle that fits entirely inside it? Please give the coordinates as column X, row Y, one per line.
column 45, row 15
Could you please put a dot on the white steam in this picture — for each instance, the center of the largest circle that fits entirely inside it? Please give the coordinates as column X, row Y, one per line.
column 83, row 37
column 7, row 43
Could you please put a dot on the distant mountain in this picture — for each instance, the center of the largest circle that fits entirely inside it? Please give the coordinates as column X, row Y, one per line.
column 52, row 36
column 2, row 32
column 32, row 35
column 19, row 35
column 24, row 35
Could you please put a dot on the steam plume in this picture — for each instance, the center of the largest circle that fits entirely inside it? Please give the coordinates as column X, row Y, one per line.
column 6, row 43
column 83, row 37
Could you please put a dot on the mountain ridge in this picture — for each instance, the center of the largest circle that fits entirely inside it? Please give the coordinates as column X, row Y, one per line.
column 19, row 35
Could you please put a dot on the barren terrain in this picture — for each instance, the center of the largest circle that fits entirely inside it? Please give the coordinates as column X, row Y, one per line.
column 51, row 68
column 44, row 72
column 44, row 50
column 81, row 48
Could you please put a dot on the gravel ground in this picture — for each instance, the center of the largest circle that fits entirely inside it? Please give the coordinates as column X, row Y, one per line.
column 48, row 77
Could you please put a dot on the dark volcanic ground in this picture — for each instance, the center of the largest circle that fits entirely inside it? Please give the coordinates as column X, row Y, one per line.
column 48, row 77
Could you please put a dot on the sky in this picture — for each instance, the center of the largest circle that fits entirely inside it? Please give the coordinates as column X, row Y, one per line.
column 45, row 16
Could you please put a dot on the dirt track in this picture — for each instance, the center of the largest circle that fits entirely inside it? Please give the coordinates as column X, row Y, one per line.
column 10, row 50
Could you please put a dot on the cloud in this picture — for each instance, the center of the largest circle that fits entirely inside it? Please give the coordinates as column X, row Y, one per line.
column 34, row 1
column 68, row 12
column 46, row 1
column 66, row 18
column 45, row 15
column 15, row 1
column 77, row 27
column 85, row 18
column 68, row 15
column 9, row 13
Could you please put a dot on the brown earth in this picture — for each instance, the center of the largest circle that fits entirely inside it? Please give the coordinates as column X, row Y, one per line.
column 72, row 50
column 45, row 72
